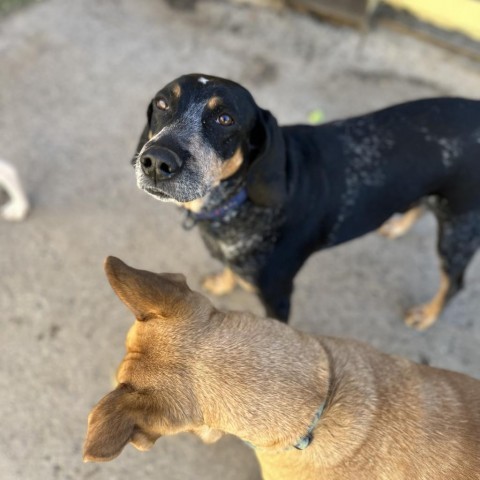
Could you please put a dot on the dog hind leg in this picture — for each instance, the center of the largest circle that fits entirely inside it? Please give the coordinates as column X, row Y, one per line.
column 458, row 240
column 398, row 226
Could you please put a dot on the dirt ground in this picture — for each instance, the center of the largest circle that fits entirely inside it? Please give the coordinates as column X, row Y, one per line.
column 75, row 80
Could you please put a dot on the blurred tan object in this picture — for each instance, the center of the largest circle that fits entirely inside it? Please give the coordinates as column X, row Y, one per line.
column 451, row 24
column 17, row 205
column 461, row 16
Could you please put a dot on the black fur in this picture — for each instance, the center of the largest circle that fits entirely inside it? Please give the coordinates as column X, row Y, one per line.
column 313, row 187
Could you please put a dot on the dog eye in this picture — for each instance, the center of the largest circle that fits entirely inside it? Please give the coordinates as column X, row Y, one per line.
column 161, row 103
column 225, row 120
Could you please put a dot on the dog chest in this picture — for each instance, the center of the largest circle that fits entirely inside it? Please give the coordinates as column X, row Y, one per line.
column 245, row 238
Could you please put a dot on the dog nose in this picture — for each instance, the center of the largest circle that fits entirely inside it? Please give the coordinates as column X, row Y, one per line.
column 160, row 163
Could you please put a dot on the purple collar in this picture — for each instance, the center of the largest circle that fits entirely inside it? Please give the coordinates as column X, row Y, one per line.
column 217, row 213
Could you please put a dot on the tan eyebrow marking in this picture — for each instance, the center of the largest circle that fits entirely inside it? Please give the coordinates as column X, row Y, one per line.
column 176, row 90
column 214, row 102
column 150, row 134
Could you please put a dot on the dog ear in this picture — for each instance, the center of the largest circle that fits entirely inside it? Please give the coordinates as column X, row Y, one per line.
column 144, row 137
column 266, row 177
column 148, row 294
column 110, row 427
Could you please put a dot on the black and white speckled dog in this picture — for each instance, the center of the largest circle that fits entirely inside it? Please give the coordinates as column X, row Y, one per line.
column 266, row 197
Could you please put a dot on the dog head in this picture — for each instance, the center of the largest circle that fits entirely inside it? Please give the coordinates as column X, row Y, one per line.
column 155, row 395
column 192, row 368
column 202, row 130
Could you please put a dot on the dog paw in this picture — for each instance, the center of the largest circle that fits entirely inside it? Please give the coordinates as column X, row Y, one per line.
column 14, row 211
column 219, row 283
column 420, row 317
column 393, row 228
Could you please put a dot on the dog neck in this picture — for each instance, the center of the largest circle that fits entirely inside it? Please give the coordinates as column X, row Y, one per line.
column 265, row 381
column 216, row 214
column 219, row 203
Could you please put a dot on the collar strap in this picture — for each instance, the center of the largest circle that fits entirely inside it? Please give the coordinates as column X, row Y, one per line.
column 306, row 440
column 303, row 442
column 217, row 213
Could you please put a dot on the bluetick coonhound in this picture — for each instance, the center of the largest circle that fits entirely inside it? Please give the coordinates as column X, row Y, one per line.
column 266, row 197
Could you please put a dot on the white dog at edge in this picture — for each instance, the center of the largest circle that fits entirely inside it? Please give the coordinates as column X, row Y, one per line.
column 17, row 206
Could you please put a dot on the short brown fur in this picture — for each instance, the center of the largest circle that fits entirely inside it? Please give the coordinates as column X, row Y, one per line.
column 192, row 368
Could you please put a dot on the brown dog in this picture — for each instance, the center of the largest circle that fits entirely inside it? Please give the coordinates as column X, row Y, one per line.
column 311, row 407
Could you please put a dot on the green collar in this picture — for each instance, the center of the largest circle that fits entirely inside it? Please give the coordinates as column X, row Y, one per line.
column 304, row 441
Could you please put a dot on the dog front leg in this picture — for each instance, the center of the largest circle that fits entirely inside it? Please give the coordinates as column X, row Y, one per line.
column 275, row 297
column 275, row 287
column 275, row 280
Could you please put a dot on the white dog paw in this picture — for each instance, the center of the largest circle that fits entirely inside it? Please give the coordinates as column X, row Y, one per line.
column 14, row 211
